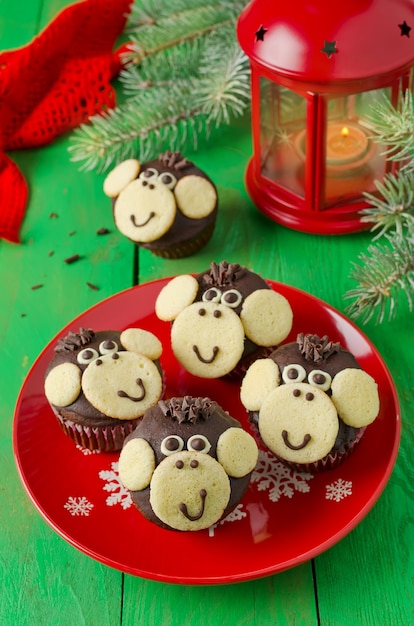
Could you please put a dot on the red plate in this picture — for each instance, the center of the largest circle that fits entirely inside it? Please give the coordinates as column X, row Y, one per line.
column 285, row 518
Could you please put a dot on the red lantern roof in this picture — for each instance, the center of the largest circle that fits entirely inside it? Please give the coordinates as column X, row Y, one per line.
column 360, row 44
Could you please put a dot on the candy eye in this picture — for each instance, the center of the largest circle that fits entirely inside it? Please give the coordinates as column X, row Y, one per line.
column 212, row 295
column 149, row 173
column 167, row 179
column 293, row 373
column 87, row 355
column 199, row 443
column 171, row 444
column 320, row 379
column 231, row 298
column 108, row 346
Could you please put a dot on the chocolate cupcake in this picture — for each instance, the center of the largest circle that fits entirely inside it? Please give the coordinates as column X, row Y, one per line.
column 100, row 384
column 310, row 402
column 223, row 319
column 187, row 464
column 167, row 205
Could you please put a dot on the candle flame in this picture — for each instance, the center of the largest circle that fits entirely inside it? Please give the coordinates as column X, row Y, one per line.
column 345, row 132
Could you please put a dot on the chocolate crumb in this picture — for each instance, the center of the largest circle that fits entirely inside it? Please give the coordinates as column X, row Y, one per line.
column 72, row 232
column 102, row 231
column 72, row 259
column 53, row 215
column 94, row 287
column 22, row 314
column 51, row 253
column 36, row 286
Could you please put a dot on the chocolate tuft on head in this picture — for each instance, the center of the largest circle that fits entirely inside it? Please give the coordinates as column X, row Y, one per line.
column 188, row 409
column 74, row 341
column 315, row 348
column 224, row 273
column 174, row 160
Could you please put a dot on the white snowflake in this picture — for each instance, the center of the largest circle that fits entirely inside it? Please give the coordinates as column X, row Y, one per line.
column 236, row 515
column 86, row 451
column 270, row 474
column 118, row 495
column 78, row 506
column 339, row 490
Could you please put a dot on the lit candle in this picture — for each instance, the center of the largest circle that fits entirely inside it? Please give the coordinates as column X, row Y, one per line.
column 346, row 144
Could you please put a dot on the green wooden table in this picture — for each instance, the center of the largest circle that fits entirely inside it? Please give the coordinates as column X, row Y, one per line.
column 367, row 578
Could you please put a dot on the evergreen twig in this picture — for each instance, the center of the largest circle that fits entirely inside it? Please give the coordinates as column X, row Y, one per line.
column 185, row 75
column 388, row 270
column 385, row 273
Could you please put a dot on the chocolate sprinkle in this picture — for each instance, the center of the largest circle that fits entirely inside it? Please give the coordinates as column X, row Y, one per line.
column 36, row 286
column 102, row 231
column 72, row 259
column 94, row 287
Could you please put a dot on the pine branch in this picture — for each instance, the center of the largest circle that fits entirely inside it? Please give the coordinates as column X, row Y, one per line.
column 394, row 128
column 385, row 273
column 171, row 102
column 157, row 25
column 394, row 208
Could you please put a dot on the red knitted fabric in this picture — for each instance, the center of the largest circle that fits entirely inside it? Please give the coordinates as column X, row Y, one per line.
column 52, row 85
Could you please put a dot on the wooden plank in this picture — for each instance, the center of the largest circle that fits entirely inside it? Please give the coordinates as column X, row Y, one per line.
column 285, row 599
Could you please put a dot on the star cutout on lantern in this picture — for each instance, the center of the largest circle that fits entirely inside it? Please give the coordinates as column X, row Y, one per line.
column 260, row 33
column 329, row 48
column 405, row 29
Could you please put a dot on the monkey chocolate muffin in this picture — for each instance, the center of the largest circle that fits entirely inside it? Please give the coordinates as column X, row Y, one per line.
column 167, row 205
column 310, row 401
column 100, row 384
column 187, row 464
column 222, row 319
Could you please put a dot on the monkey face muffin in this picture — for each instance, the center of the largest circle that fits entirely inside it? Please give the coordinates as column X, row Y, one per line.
column 187, row 464
column 222, row 319
column 100, row 384
column 167, row 205
column 311, row 402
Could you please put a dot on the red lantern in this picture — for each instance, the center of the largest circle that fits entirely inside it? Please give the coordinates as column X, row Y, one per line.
column 317, row 69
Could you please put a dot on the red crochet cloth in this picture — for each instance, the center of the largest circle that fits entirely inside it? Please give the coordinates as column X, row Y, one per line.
column 52, row 85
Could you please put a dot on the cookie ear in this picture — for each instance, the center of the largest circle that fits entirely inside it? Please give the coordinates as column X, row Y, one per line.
column 177, row 294
column 136, row 464
column 120, row 177
column 63, row 384
column 261, row 378
column 355, row 396
column 142, row 342
column 196, row 197
column 237, row 452
column 267, row 317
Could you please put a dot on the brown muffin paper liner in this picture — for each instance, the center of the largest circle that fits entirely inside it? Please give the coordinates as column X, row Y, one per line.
column 103, row 438
column 188, row 248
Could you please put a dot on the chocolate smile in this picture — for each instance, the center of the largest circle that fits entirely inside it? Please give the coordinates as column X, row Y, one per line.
column 133, row 220
column 202, row 359
column 124, row 394
column 194, row 518
column 302, row 445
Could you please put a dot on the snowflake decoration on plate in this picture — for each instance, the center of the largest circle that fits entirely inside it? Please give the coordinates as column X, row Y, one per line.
column 339, row 490
column 235, row 516
column 270, row 474
column 86, row 451
column 118, row 495
column 78, row 506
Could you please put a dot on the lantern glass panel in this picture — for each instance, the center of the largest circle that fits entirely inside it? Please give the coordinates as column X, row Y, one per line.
column 282, row 117
column 354, row 159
